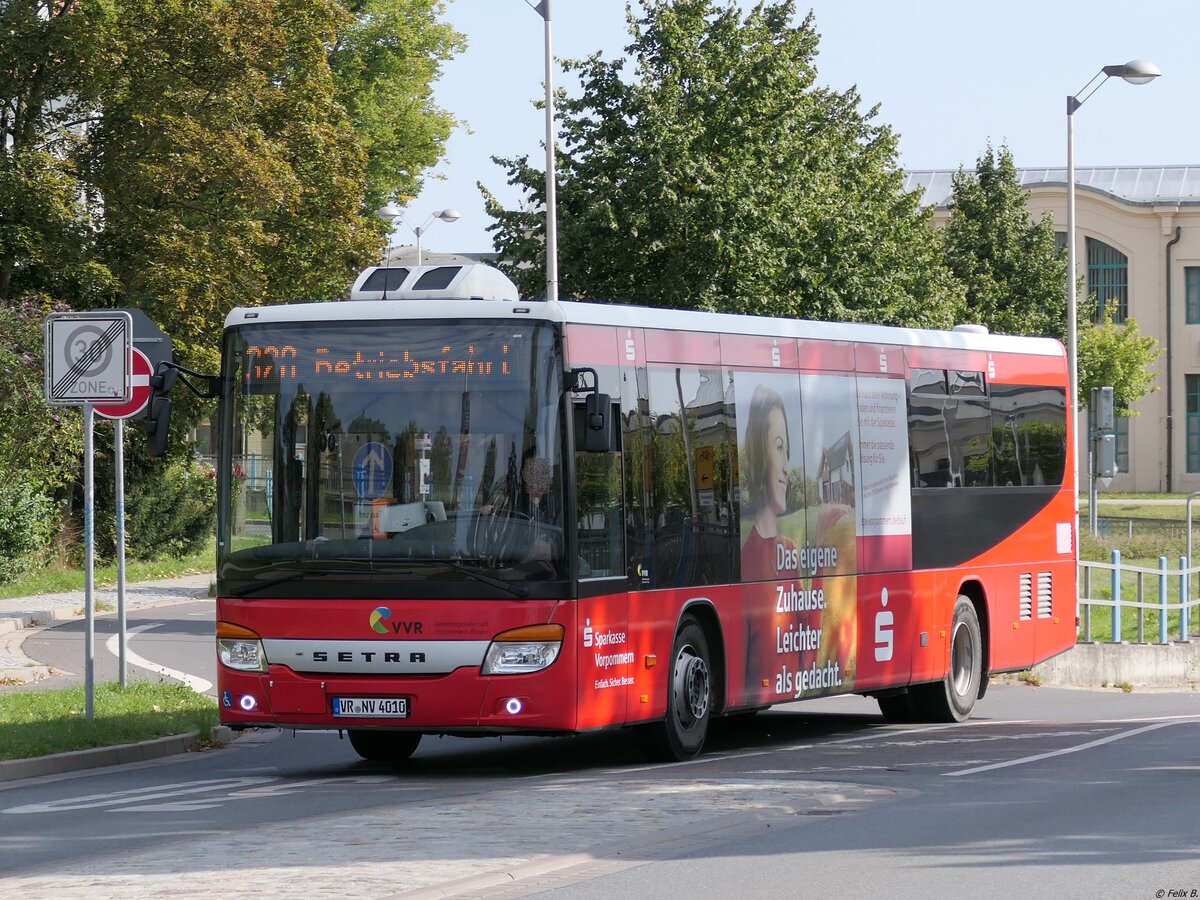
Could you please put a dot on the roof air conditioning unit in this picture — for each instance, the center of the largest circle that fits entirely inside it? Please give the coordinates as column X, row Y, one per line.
column 459, row 282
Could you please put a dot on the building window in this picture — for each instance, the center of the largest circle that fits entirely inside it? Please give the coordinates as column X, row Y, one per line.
column 1191, row 281
column 1193, row 423
column 1108, row 280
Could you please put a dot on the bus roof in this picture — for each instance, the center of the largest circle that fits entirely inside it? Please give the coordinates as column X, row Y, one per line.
column 573, row 312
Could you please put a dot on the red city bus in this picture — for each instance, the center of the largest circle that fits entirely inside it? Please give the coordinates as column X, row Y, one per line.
column 492, row 516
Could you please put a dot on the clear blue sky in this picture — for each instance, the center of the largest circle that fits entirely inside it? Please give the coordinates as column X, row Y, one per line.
column 949, row 76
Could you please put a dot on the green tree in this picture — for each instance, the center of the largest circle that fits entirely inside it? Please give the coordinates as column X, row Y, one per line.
column 1015, row 276
column 54, row 56
column 188, row 156
column 1013, row 272
column 1119, row 356
column 720, row 176
column 385, row 62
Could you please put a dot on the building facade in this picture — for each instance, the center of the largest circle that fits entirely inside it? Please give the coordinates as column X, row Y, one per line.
column 1138, row 233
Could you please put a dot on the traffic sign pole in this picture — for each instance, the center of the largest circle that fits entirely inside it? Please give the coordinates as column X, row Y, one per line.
column 89, row 559
column 119, row 460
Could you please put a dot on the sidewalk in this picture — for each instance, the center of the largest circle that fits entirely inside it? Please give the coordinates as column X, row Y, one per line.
column 20, row 615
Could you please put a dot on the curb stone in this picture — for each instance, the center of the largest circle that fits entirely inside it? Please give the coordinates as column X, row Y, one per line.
column 115, row 755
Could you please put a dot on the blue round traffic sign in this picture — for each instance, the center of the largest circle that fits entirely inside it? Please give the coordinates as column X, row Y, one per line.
column 372, row 470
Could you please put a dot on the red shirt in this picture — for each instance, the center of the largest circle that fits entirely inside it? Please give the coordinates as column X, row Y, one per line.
column 761, row 558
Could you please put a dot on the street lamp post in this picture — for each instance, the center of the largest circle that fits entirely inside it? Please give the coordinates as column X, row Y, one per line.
column 445, row 215
column 543, row 10
column 1137, row 71
column 389, row 213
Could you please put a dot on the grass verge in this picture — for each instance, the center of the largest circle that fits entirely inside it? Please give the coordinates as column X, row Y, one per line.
column 57, row 579
column 37, row 723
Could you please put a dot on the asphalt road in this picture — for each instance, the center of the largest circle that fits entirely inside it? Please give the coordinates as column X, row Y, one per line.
column 1045, row 792
column 161, row 641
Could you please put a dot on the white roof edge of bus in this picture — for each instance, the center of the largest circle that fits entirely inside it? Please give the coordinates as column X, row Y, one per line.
column 640, row 317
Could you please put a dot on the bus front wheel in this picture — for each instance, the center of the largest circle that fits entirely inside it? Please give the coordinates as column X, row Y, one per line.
column 681, row 734
column 953, row 698
column 384, row 746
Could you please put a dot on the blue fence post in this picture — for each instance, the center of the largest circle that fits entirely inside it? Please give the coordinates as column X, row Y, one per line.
column 1162, row 599
column 1087, row 607
column 1116, row 597
column 1183, row 598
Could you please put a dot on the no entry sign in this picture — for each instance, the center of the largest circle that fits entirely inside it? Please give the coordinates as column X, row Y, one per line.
column 139, row 382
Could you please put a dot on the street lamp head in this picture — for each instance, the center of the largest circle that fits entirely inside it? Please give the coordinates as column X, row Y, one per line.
column 449, row 215
column 1136, row 71
column 389, row 213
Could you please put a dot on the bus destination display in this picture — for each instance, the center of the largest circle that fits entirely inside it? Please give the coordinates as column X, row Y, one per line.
column 265, row 367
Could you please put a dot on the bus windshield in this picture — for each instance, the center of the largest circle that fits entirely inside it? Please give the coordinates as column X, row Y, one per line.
column 408, row 458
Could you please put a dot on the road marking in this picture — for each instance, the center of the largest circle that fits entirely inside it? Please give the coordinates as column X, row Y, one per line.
column 1063, row 752
column 137, row 795
column 197, row 684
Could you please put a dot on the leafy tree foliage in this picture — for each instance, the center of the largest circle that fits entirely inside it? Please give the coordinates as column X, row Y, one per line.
column 1014, row 274
column 187, row 156
column 1119, row 356
column 37, row 443
column 53, row 58
column 1015, row 279
column 384, row 64
column 720, row 176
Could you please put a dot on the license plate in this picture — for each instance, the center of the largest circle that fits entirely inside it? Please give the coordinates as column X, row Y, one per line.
column 371, row 707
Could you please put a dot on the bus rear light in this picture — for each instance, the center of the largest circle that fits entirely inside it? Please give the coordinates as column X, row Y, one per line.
column 523, row 650
column 240, row 648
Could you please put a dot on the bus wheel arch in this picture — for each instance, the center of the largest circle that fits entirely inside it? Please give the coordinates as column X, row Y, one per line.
column 953, row 698
column 973, row 590
column 705, row 614
column 692, row 691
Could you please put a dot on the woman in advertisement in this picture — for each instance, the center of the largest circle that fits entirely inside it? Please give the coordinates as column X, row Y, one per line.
column 767, row 555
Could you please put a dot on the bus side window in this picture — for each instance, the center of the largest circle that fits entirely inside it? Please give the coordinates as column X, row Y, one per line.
column 600, row 494
column 695, row 532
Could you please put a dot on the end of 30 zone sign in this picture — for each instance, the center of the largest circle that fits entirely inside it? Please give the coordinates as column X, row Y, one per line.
column 87, row 357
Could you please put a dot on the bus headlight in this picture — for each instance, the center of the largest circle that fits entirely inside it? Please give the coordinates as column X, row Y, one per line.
column 240, row 648
column 523, row 650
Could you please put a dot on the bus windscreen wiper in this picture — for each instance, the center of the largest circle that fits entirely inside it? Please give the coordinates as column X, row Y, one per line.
column 515, row 589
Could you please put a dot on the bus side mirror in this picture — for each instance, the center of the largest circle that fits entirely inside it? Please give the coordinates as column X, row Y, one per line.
column 597, row 423
column 158, row 417
column 158, row 424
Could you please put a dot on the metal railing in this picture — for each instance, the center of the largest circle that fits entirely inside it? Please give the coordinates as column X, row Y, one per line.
column 1162, row 595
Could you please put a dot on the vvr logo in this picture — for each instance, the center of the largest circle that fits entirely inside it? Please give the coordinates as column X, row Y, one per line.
column 378, row 617
column 378, row 620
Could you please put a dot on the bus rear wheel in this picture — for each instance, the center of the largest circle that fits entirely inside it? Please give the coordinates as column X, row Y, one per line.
column 953, row 698
column 384, row 746
column 681, row 734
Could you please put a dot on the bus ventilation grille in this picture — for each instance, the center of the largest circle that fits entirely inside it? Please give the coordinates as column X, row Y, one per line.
column 1044, row 595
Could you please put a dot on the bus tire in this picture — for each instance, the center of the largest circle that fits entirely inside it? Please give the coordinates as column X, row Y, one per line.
column 680, row 735
column 384, row 746
column 953, row 698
